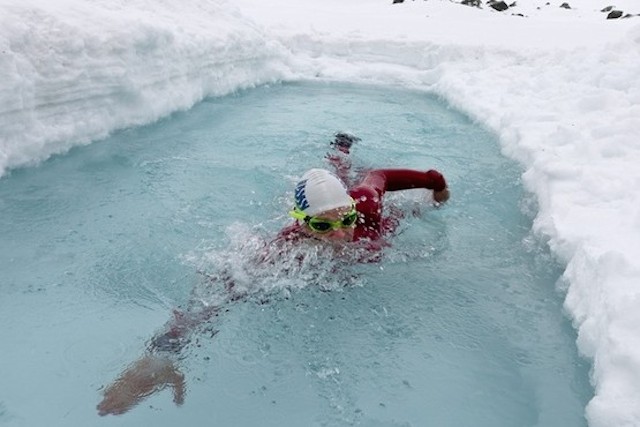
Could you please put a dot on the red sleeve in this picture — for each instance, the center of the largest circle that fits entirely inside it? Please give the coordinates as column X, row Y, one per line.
column 368, row 195
column 403, row 179
column 369, row 207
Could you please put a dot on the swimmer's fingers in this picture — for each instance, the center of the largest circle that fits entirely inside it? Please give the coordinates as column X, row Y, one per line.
column 441, row 196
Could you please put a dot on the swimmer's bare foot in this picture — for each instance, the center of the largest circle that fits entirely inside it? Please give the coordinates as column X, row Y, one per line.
column 145, row 377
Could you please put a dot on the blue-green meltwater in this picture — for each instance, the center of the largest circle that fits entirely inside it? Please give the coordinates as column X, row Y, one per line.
column 459, row 323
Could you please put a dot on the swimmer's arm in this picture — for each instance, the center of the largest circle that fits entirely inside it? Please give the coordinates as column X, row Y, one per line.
column 404, row 179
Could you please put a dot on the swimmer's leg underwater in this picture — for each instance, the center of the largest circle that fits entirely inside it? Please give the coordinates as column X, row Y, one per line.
column 156, row 369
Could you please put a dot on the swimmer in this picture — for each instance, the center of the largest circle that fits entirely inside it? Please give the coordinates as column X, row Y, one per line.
column 324, row 210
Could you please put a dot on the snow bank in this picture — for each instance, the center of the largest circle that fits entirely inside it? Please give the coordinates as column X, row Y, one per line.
column 571, row 119
column 74, row 71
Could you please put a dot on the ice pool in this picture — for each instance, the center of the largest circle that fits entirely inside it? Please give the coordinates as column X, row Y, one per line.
column 459, row 324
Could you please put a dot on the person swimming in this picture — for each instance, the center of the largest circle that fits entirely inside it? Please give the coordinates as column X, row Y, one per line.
column 325, row 211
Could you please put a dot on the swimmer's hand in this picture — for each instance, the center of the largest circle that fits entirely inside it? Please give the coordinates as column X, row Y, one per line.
column 145, row 377
column 441, row 196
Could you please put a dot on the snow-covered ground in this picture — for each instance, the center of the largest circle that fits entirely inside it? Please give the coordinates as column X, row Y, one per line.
column 561, row 88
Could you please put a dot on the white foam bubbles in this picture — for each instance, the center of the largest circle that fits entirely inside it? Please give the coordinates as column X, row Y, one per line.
column 253, row 266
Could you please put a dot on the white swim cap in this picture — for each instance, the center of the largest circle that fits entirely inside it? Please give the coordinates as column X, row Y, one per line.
column 320, row 191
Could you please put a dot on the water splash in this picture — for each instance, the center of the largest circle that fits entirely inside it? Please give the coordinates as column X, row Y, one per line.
column 256, row 267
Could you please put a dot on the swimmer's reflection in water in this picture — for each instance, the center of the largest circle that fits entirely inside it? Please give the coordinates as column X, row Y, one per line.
column 324, row 211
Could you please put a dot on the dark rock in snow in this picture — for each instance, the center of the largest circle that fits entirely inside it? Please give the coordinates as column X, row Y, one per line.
column 512, row 4
column 397, row 1
column 498, row 5
column 565, row 6
column 474, row 3
column 607, row 9
column 614, row 14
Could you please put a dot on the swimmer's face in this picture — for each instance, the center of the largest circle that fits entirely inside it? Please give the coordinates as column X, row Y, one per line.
column 340, row 234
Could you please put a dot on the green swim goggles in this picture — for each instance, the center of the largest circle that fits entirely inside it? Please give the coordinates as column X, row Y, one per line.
column 322, row 225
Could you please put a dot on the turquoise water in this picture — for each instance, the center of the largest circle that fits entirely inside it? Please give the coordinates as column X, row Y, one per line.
column 460, row 324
